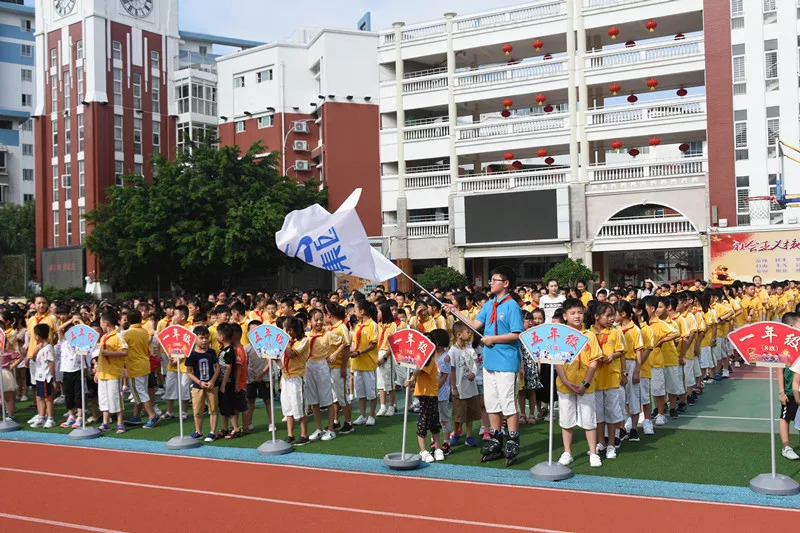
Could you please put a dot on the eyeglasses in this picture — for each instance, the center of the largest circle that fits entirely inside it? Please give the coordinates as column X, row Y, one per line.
column 497, row 280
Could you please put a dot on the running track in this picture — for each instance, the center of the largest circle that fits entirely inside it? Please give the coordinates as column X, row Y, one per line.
column 58, row 488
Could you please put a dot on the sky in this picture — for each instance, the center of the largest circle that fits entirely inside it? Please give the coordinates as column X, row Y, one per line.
column 270, row 20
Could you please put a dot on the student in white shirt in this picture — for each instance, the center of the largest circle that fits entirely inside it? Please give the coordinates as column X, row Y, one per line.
column 551, row 301
column 45, row 370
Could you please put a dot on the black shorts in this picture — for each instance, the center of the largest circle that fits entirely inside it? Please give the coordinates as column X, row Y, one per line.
column 72, row 389
column 789, row 411
column 257, row 389
column 152, row 383
column 232, row 402
column 91, row 387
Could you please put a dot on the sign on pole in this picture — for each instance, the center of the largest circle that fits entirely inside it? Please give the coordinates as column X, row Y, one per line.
column 767, row 343
column 410, row 348
column 556, row 344
column 177, row 341
column 82, row 339
column 268, row 341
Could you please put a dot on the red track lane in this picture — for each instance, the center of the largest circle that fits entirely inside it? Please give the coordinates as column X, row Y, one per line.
column 149, row 492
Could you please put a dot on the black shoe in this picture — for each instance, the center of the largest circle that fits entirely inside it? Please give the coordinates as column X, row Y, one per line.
column 691, row 401
column 682, row 408
column 289, row 440
column 346, row 428
column 446, row 449
column 336, row 426
column 634, row 435
column 302, row 441
column 606, row 441
column 655, row 413
column 623, row 435
column 617, row 442
column 673, row 413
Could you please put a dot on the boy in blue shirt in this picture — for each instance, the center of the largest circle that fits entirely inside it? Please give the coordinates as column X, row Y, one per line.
column 502, row 318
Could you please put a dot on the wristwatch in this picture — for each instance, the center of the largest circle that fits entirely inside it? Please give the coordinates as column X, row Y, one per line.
column 586, row 384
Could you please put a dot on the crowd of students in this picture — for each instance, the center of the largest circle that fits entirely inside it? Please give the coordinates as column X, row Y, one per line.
column 651, row 353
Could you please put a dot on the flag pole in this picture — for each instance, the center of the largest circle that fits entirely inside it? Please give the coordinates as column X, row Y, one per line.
column 412, row 280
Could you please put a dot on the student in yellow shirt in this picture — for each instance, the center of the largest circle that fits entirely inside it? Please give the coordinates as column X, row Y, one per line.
column 422, row 320
column 697, row 312
column 435, row 310
column 690, row 324
column 110, row 367
column 317, row 382
column 179, row 318
column 673, row 370
column 781, row 306
column 385, row 370
column 642, row 320
column 294, row 369
column 632, row 370
column 426, row 389
column 607, row 378
column 260, row 312
column 334, row 318
column 239, row 316
column 223, row 316
column 364, row 360
column 137, row 365
column 576, row 402
column 664, row 354
column 725, row 314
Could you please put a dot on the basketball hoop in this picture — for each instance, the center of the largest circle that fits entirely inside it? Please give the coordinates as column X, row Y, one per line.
column 759, row 207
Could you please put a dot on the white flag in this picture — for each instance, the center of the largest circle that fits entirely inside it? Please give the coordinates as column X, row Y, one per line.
column 335, row 242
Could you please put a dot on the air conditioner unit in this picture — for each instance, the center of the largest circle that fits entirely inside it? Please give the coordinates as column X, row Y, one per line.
column 300, row 146
column 301, row 165
column 301, row 127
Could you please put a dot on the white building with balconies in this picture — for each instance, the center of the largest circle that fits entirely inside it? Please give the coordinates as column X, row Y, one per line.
column 498, row 145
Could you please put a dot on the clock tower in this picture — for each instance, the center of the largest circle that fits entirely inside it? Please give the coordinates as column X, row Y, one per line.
column 104, row 73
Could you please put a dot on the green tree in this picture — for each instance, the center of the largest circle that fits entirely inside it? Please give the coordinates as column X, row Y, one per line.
column 442, row 277
column 18, row 233
column 208, row 216
column 569, row 271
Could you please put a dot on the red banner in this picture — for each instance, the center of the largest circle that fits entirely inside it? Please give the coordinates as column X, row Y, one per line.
column 177, row 341
column 410, row 348
column 767, row 343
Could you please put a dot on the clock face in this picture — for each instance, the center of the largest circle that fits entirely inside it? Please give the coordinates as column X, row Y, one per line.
column 138, row 8
column 63, row 7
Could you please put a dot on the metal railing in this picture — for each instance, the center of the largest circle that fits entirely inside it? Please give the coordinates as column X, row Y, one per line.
column 431, row 83
column 533, row 124
column 428, row 229
column 515, row 179
column 508, row 73
column 195, row 60
column 421, row 133
column 641, row 227
column 427, row 181
column 657, row 168
column 600, row 59
column 648, row 111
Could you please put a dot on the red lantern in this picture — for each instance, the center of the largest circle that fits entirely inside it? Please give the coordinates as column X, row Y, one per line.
column 682, row 92
column 508, row 156
column 633, row 152
column 548, row 108
column 505, row 113
column 633, row 98
column 507, row 103
column 542, row 152
column 680, row 37
column 517, row 165
column 547, row 56
column 684, row 147
column 651, row 25
column 507, row 49
column 613, row 32
column 630, row 44
column 540, row 98
column 652, row 83
column 538, row 44
column 549, row 161
column 615, row 88
column 654, row 141
column 616, row 145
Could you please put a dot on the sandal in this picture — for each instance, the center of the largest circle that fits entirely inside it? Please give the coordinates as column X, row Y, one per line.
column 222, row 433
column 523, row 419
column 531, row 421
column 543, row 414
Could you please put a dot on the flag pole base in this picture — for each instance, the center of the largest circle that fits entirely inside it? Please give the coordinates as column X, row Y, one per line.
column 6, row 426
column 275, row 447
column 84, row 434
column 396, row 461
column 778, row 485
column 182, row 443
column 551, row 472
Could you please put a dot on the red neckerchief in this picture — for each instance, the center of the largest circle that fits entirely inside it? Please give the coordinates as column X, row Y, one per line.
column 311, row 340
column 603, row 339
column 359, row 329
column 397, row 322
column 420, row 325
column 383, row 332
column 495, row 305
column 260, row 315
column 106, row 336
column 39, row 318
column 285, row 356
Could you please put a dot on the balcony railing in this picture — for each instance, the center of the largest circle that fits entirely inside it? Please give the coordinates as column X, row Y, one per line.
column 441, row 169
column 658, row 168
column 428, row 229
column 421, row 133
column 519, row 179
column 428, row 120
column 427, row 181
column 509, row 73
column 429, row 83
column 423, row 73
column 601, row 59
column 537, row 123
column 648, row 111
column 646, row 227
column 197, row 61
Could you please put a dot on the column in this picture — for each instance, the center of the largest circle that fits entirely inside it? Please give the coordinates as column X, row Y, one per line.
column 456, row 255
column 400, row 251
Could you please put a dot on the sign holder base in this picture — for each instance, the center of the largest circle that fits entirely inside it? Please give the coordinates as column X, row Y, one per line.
column 273, row 447
column 403, row 460
column 7, row 426
column 182, row 443
column 84, row 433
column 548, row 470
column 775, row 485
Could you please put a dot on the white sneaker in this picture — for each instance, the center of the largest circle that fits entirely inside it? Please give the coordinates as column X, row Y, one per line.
column 360, row 420
column 566, row 459
column 184, row 416
column 34, row 419
column 283, row 419
column 59, row 401
column 426, row 456
column 350, row 398
column 37, row 423
column 250, row 427
column 328, row 435
column 628, row 424
column 600, row 449
column 381, row 411
column 726, row 373
column 272, row 428
column 157, row 410
column 390, row 411
column 438, row 454
column 648, row 427
column 159, row 392
column 661, row 420
column 316, row 435
column 370, row 421
column 168, row 416
column 611, row 452
column 594, row 461
column 23, row 398
column 50, row 423
column 789, row 453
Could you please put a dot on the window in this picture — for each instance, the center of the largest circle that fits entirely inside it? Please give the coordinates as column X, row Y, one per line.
column 55, row 183
column 27, row 100
column 240, row 126
column 3, row 163
column 27, row 149
column 55, row 138
column 80, row 132
column 55, row 229
column 737, row 8
column 742, row 205
column 81, row 179
column 79, row 76
column 204, row 99
column 27, row 198
column 137, row 169
column 79, row 50
column 68, row 213
column 117, row 133
column 116, row 50
column 265, row 122
column 137, row 90
column 67, row 82
column 770, row 12
column 238, row 81
column 156, row 92
column 154, row 60
column 118, row 173
column 203, row 50
column 27, row 74
column 740, row 133
column 695, row 149
column 773, row 133
column 156, row 138
column 182, row 97
column 739, row 73
column 53, row 94
column 6, row 125
column 82, row 223
column 137, row 136
column 66, row 181
column 117, row 86
column 53, row 58
column 26, row 126
column 771, row 65
column 26, row 50
column 67, row 134
column 25, row 25
column 27, row 174
column 264, row 75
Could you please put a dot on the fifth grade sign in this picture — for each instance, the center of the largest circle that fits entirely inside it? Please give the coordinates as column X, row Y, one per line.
column 410, row 348
column 553, row 343
column 268, row 341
